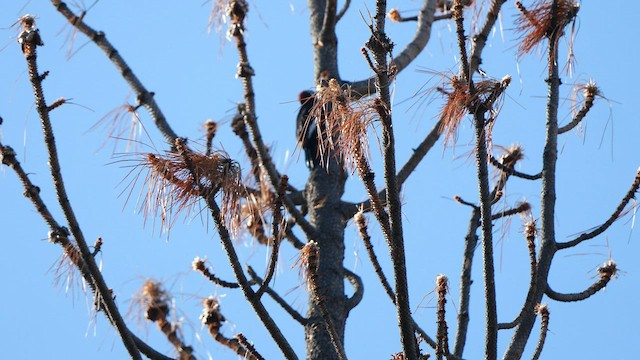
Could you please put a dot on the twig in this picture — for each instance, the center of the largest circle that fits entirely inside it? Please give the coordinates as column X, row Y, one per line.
column 260, row 310
column 442, row 338
column 277, row 298
column 364, row 234
column 343, row 11
column 543, row 310
column 144, row 96
column 607, row 271
column 31, row 191
column 58, row 235
column 212, row 318
column 616, row 214
column 513, row 172
column 523, row 207
column 462, row 201
column 199, row 266
column 530, row 232
column 155, row 301
column 358, row 289
column 276, row 236
column 590, row 91
column 240, row 129
column 470, row 243
column 367, row 175
column 249, row 347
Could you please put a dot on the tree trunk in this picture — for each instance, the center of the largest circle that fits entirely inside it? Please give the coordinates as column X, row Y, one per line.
column 323, row 194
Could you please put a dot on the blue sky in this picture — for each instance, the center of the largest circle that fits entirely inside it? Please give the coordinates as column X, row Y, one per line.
column 192, row 73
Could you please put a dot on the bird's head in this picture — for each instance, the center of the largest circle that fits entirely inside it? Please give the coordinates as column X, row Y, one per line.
column 305, row 96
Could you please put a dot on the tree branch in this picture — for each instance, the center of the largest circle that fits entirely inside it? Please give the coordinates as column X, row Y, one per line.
column 590, row 92
column 495, row 162
column 343, row 11
column 358, row 289
column 380, row 46
column 59, row 235
column 276, row 236
column 30, row 40
column 530, row 231
column 328, row 31
column 543, row 310
column 615, row 216
column 277, row 298
column 409, row 53
column 480, row 39
column 478, row 110
column 199, row 266
column 410, row 165
column 245, row 73
column 548, row 245
column 606, row 272
column 470, row 243
column 442, row 337
column 232, row 256
column 144, row 96
column 523, row 207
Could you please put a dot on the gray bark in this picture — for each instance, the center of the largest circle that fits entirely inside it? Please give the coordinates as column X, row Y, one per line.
column 323, row 192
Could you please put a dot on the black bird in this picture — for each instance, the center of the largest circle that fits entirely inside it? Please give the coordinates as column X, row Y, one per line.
column 307, row 130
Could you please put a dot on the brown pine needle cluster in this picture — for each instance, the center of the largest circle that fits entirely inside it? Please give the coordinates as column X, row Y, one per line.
column 512, row 155
column 530, row 234
column 217, row 14
column 213, row 319
column 66, row 269
column 487, row 96
column 236, row 11
column 308, row 263
column 256, row 209
column 210, row 128
column 343, row 124
column 509, row 159
column 608, row 270
column 543, row 311
column 585, row 94
column 253, row 218
column 535, row 23
column 211, row 316
column 442, row 287
column 154, row 301
column 177, row 181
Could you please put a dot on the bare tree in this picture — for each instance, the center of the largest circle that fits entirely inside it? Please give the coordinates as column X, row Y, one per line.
column 335, row 126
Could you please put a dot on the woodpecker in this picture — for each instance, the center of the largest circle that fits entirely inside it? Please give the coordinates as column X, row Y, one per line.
column 307, row 130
